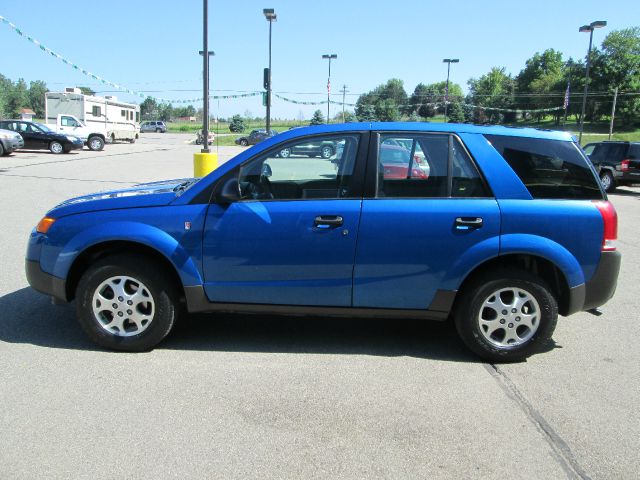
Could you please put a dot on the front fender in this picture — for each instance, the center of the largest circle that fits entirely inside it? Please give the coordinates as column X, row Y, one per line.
column 546, row 248
column 128, row 231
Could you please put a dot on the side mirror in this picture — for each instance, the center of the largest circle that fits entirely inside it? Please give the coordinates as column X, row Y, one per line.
column 229, row 193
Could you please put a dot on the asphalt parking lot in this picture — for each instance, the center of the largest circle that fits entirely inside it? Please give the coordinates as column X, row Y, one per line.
column 275, row 397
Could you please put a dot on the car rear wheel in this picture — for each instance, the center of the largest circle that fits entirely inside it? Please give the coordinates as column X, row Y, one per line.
column 244, row 143
column 1, row 149
column 326, row 152
column 285, row 152
column 125, row 303
column 607, row 180
column 56, row 147
column 96, row 144
column 506, row 315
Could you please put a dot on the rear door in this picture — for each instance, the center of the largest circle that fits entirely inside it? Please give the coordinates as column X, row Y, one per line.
column 421, row 231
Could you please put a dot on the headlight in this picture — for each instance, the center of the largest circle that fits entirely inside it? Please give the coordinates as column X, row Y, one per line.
column 5, row 136
column 71, row 138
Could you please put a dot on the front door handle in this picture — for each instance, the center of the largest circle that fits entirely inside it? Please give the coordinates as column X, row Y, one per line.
column 328, row 221
column 466, row 223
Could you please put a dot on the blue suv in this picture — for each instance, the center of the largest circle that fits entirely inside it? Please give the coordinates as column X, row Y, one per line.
column 498, row 229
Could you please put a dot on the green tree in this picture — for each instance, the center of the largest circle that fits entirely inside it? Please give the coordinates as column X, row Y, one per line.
column 165, row 112
column 36, row 93
column 6, row 86
column 428, row 100
column 493, row 90
column 87, row 91
column 542, row 75
column 237, row 124
column 149, row 109
column 618, row 65
column 318, row 118
column 456, row 113
column 17, row 98
column 385, row 102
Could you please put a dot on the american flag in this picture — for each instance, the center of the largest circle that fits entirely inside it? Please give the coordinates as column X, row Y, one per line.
column 328, row 86
column 566, row 97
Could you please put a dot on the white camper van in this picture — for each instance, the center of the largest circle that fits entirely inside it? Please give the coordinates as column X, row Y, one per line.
column 94, row 119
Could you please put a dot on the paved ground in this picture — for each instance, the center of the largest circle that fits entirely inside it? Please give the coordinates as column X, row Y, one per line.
column 257, row 397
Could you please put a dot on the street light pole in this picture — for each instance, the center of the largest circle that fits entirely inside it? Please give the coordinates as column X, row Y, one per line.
column 588, row 28
column 329, row 56
column 205, row 110
column 205, row 75
column 271, row 17
column 448, row 61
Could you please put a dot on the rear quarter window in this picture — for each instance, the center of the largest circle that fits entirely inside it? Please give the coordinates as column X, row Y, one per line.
column 549, row 168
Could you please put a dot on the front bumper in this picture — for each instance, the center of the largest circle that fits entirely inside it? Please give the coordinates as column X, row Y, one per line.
column 78, row 144
column 44, row 282
column 13, row 144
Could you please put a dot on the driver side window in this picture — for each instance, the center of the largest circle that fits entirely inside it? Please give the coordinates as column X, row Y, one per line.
column 314, row 167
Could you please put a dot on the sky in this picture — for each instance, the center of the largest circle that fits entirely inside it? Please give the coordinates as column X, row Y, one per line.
column 152, row 46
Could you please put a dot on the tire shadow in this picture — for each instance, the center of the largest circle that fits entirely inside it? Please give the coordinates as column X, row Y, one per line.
column 28, row 317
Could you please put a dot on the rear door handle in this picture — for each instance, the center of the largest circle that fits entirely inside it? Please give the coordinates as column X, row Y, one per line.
column 328, row 221
column 466, row 223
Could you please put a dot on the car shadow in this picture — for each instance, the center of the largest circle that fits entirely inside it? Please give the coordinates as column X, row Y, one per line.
column 28, row 317
column 625, row 193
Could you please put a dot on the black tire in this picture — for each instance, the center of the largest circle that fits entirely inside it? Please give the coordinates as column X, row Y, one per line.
column 2, row 149
column 285, row 153
column 468, row 310
column 157, row 284
column 158, row 130
column 244, row 143
column 95, row 143
column 607, row 181
column 56, row 147
column 132, row 140
column 326, row 152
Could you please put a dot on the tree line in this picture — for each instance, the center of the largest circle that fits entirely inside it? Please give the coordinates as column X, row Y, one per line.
column 541, row 84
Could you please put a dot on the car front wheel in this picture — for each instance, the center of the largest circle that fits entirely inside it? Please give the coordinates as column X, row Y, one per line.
column 326, row 152
column 506, row 315
column 125, row 303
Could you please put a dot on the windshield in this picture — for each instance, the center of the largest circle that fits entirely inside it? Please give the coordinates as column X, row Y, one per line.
column 42, row 127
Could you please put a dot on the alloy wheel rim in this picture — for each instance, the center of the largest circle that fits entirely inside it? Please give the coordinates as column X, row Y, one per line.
column 95, row 144
column 509, row 317
column 326, row 152
column 123, row 306
column 606, row 181
column 56, row 147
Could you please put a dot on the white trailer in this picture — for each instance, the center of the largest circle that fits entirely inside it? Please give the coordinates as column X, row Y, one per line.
column 94, row 119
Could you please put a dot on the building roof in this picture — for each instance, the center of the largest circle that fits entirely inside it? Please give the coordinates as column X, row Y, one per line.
column 27, row 111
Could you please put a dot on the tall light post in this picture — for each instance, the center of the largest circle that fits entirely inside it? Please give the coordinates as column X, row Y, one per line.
column 588, row 28
column 448, row 61
column 205, row 75
column 205, row 110
column 329, row 56
column 271, row 17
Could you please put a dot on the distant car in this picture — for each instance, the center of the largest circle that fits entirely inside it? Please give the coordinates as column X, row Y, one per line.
column 38, row 136
column 617, row 163
column 256, row 136
column 395, row 163
column 155, row 126
column 311, row 149
column 9, row 142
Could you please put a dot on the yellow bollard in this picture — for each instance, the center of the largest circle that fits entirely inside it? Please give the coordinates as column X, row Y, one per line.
column 204, row 163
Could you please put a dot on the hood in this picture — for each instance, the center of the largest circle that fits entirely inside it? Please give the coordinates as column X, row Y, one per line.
column 142, row 195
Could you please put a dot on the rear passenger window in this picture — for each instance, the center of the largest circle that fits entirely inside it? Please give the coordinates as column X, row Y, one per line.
column 549, row 168
column 426, row 166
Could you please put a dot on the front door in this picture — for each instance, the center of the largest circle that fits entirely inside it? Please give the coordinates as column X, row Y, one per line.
column 427, row 219
column 291, row 238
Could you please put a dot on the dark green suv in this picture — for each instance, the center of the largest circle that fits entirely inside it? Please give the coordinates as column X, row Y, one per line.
column 617, row 163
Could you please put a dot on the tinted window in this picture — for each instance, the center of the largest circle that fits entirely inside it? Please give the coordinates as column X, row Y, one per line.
column 96, row 111
column 634, row 151
column 548, row 168
column 608, row 152
column 426, row 166
column 297, row 174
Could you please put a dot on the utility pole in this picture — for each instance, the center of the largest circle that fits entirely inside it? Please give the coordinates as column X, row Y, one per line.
column 344, row 93
column 613, row 112
column 329, row 56
column 583, row 29
column 205, row 74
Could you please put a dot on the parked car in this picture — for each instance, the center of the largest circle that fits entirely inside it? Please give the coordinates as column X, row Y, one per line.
column 154, row 126
column 487, row 240
column 38, row 136
column 311, row 149
column 9, row 142
column 617, row 163
column 256, row 136
column 396, row 163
